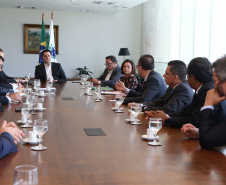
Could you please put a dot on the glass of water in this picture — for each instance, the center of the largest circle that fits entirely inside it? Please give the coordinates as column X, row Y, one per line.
column 25, row 174
column 31, row 100
column 136, row 109
column 37, row 84
column 155, row 124
column 40, row 128
column 98, row 93
column 89, row 87
column 26, row 111
column 119, row 99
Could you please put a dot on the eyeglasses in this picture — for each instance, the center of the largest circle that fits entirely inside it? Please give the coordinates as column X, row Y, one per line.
column 3, row 59
column 168, row 74
column 108, row 64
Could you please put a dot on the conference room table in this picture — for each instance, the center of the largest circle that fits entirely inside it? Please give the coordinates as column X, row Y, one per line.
column 119, row 157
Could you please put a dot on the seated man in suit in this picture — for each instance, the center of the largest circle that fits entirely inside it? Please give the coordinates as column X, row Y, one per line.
column 211, row 132
column 3, row 77
column 178, row 95
column 200, row 78
column 153, row 86
column 111, row 73
column 10, row 135
column 49, row 70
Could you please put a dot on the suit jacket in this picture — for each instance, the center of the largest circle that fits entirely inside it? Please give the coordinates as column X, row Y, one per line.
column 115, row 75
column 191, row 113
column 211, row 131
column 6, row 144
column 57, row 72
column 5, row 88
column 174, row 100
column 154, row 88
column 6, row 79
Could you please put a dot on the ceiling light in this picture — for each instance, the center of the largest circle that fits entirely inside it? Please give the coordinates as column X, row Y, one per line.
column 97, row 2
column 111, row 3
column 83, row 10
column 21, row 7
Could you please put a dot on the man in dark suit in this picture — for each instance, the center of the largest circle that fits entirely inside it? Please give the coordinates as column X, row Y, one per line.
column 211, row 132
column 49, row 70
column 200, row 79
column 10, row 135
column 3, row 77
column 111, row 73
column 153, row 86
column 178, row 95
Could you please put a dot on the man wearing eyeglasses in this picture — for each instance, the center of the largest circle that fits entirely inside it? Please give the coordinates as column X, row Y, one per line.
column 178, row 95
column 111, row 74
column 153, row 86
column 3, row 77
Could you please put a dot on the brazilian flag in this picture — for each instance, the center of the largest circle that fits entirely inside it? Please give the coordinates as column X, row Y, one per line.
column 42, row 42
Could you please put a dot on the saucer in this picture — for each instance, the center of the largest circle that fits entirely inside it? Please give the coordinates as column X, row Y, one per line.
column 87, row 94
column 19, row 121
column 113, row 108
column 31, row 142
column 39, row 109
column 41, row 95
column 119, row 111
column 128, row 120
column 145, row 137
column 112, row 100
column 96, row 100
column 133, row 123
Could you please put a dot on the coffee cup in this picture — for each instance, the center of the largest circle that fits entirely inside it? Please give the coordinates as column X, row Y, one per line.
column 150, row 134
column 41, row 93
column 48, row 88
column 23, row 118
column 87, row 91
column 99, row 96
column 39, row 105
column 132, row 117
column 32, row 136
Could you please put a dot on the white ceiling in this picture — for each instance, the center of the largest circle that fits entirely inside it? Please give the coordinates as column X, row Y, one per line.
column 73, row 5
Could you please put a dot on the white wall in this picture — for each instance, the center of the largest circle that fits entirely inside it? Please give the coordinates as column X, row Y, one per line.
column 84, row 39
column 183, row 29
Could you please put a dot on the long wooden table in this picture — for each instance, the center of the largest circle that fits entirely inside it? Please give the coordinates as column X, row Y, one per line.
column 120, row 157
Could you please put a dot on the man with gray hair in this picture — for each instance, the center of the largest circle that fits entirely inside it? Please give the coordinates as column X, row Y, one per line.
column 211, row 133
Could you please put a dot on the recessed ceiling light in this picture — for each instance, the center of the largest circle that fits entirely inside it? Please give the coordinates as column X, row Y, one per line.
column 111, row 3
column 97, row 2
column 83, row 10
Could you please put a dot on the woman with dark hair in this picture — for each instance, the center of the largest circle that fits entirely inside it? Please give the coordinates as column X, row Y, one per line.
column 129, row 71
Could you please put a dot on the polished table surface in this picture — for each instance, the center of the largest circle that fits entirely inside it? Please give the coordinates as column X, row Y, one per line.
column 120, row 157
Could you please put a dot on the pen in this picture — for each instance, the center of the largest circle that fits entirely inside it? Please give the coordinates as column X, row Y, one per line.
column 19, row 82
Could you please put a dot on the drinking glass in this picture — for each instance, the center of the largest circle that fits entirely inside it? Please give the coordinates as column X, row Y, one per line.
column 37, row 85
column 98, row 93
column 118, row 101
column 89, row 87
column 25, row 174
column 155, row 124
column 83, row 80
column 31, row 100
column 40, row 128
column 27, row 91
column 136, row 109
column 26, row 111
